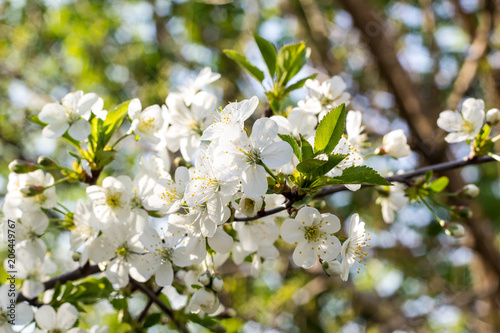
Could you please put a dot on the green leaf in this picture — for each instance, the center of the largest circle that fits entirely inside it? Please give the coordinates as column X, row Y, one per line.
column 306, row 149
column 206, row 321
column 119, row 303
column 359, row 175
column 300, row 83
column 291, row 58
column 196, row 286
column 439, row 184
column 152, row 320
column 309, row 165
column 245, row 64
column 269, row 52
column 428, row 176
column 292, row 142
column 113, row 121
column 330, row 130
column 333, row 161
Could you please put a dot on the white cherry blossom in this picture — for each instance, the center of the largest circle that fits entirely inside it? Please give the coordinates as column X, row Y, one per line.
column 313, row 234
column 168, row 194
column 297, row 122
column 36, row 181
column 51, row 321
column 352, row 249
column 240, row 157
column 204, row 300
column 393, row 201
column 354, row 129
column 464, row 125
column 145, row 123
column 71, row 115
column 395, row 144
column 111, row 201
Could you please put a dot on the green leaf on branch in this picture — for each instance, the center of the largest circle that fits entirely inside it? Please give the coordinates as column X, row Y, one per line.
column 359, row 175
column 292, row 142
column 241, row 60
column 333, row 161
column 306, row 149
column 300, row 83
column 113, row 121
column 269, row 53
column 152, row 320
column 439, row 184
column 290, row 60
column 309, row 165
column 330, row 130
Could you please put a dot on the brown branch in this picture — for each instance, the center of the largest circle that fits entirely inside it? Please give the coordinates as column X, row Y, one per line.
column 154, row 298
column 400, row 178
column 398, row 80
column 148, row 305
column 469, row 68
column 77, row 274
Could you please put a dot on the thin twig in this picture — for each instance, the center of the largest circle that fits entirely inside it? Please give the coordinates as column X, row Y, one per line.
column 148, row 305
column 153, row 297
column 400, row 178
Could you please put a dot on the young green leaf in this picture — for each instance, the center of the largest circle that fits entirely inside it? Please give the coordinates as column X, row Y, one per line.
column 333, row 161
column 268, row 51
column 245, row 64
column 309, row 165
column 330, row 130
column 439, row 184
column 359, row 175
column 300, row 83
column 113, row 121
column 290, row 60
column 293, row 143
column 306, row 149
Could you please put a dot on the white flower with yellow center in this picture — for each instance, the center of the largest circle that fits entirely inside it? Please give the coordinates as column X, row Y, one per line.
column 464, row 125
column 240, row 157
column 145, row 123
column 31, row 191
column 111, row 201
column 71, row 115
column 233, row 115
column 314, row 235
column 297, row 122
column 352, row 249
column 325, row 96
column 188, row 122
column 168, row 194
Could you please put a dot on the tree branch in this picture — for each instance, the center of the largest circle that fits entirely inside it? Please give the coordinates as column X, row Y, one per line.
column 400, row 178
column 148, row 305
column 154, row 298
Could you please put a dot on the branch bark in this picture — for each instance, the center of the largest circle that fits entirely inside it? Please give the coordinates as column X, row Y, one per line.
column 400, row 178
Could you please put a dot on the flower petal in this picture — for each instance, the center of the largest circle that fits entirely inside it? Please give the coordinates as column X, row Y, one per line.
column 67, row 315
column 80, row 129
column 277, row 154
column 254, row 181
column 292, row 231
column 46, row 317
column 55, row 130
column 304, row 255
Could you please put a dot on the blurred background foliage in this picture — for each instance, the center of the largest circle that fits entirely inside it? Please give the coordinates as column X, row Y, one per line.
column 415, row 278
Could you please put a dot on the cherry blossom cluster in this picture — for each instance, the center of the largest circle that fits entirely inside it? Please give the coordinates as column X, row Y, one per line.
column 185, row 223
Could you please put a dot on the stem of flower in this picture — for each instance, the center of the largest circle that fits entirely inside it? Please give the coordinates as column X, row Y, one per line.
column 59, row 181
column 438, row 220
column 120, row 139
column 269, row 171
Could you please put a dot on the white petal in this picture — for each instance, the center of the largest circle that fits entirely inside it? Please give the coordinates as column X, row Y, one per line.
column 304, row 255
column 221, row 242
column 67, row 315
column 307, row 216
column 165, row 275
column 292, row 231
column 80, row 130
column 32, row 289
column 24, row 314
column 134, row 108
column 264, row 130
column 46, row 317
column 254, row 180
column 52, row 113
column 276, row 154
column 86, row 102
column 450, row 121
column 55, row 130
column 331, row 223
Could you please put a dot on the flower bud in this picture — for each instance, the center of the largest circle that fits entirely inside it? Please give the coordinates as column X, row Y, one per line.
column 46, row 162
column 20, row 166
column 462, row 211
column 76, row 256
column 204, row 279
column 205, row 300
column 395, row 144
column 250, row 206
column 332, row 268
column 469, row 191
column 493, row 116
column 32, row 190
column 455, row 229
column 217, row 283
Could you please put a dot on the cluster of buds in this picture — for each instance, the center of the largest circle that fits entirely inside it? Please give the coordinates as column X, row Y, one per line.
column 206, row 298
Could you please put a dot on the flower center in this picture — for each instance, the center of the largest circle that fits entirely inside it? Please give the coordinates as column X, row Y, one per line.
column 113, row 200
column 312, row 233
column 147, row 124
column 123, row 251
